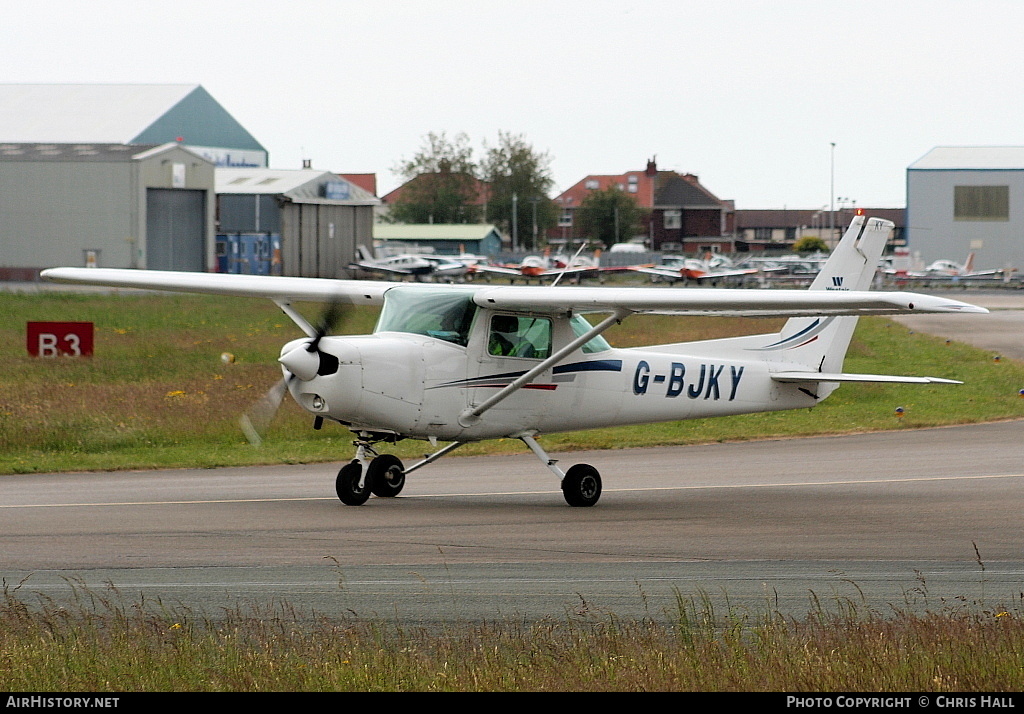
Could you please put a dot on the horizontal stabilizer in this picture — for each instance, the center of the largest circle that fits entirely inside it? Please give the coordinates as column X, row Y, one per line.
column 845, row 377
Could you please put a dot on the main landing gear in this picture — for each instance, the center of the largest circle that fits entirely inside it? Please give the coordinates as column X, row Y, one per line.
column 383, row 475
column 581, row 484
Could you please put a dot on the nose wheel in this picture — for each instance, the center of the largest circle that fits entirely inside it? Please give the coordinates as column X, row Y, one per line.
column 383, row 476
column 386, row 476
column 352, row 488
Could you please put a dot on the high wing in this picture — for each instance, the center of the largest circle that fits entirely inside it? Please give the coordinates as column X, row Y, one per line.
column 549, row 300
column 680, row 273
column 380, row 268
column 497, row 269
column 713, row 301
column 359, row 292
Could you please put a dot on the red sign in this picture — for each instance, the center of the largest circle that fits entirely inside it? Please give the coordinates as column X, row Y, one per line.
column 57, row 339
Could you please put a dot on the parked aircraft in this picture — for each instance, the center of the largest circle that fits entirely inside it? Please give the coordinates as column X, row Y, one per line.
column 410, row 265
column 710, row 269
column 945, row 269
column 459, row 363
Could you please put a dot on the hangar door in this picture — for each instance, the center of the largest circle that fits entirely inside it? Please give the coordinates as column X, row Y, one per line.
column 175, row 229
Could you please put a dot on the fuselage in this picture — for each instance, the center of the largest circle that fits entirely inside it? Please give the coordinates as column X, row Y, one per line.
column 417, row 385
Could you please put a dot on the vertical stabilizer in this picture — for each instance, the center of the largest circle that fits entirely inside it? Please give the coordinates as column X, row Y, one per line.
column 820, row 343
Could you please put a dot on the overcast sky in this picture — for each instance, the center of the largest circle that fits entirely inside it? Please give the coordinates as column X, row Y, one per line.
column 748, row 95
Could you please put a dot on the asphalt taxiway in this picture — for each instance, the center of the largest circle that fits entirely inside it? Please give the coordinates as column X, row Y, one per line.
column 916, row 518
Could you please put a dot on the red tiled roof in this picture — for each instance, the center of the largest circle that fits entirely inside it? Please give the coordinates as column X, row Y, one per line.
column 652, row 188
column 481, row 191
column 574, row 196
column 367, row 182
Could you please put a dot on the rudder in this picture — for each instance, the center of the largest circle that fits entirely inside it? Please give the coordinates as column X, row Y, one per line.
column 820, row 343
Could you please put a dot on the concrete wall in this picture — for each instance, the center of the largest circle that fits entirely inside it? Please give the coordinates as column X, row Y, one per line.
column 933, row 233
column 53, row 212
column 50, row 212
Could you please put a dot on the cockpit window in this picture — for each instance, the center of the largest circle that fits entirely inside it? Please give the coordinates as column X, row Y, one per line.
column 520, row 336
column 446, row 314
column 580, row 327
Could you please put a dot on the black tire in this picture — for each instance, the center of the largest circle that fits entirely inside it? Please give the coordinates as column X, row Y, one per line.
column 347, row 485
column 385, row 476
column 581, row 485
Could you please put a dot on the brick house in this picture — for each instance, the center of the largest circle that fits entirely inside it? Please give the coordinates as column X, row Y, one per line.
column 680, row 213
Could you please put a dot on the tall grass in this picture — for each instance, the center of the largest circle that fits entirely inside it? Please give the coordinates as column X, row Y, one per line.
column 105, row 645
column 157, row 394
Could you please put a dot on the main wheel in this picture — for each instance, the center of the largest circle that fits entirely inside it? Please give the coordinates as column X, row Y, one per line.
column 581, row 485
column 347, row 485
column 386, row 476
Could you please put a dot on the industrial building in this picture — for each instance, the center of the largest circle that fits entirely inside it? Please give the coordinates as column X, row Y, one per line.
column 126, row 176
column 104, row 205
column 299, row 222
column 967, row 199
column 107, row 175
column 438, row 238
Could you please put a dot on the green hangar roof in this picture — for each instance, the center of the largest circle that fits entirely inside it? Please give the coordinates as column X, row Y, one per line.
column 123, row 114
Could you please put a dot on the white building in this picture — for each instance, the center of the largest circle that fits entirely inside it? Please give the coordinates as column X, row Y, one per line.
column 964, row 199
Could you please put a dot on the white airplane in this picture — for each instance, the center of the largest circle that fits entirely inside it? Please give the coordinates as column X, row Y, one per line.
column 411, row 265
column 460, row 363
column 949, row 269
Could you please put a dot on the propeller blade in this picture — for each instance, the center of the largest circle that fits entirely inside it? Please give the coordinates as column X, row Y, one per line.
column 258, row 417
column 328, row 321
column 256, row 420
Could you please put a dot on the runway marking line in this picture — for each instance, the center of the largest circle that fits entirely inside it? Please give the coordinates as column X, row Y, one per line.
column 529, row 493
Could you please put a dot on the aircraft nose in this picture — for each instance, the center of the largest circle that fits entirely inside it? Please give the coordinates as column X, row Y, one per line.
column 301, row 362
column 297, row 358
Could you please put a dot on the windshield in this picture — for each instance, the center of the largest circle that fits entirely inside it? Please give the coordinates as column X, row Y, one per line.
column 444, row 313
column 580, row 326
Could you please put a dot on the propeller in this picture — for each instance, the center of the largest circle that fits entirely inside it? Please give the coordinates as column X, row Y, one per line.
column 303, row 362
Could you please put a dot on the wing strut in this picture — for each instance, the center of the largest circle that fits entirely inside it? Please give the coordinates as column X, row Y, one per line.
column 471, row 415
column 297, row 318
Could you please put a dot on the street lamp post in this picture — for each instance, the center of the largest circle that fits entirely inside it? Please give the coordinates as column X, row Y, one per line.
column 534, row 201
column 515, row 222
column 831, row 197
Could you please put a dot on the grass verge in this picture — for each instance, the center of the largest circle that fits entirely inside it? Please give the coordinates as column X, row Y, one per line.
column 106, row 645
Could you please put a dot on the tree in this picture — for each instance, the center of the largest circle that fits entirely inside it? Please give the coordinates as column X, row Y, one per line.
column 519, row 178
column 609, row 216
column 810, row 244
column 441, row 184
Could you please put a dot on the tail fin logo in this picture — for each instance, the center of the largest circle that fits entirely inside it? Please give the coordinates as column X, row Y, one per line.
column 837, row 281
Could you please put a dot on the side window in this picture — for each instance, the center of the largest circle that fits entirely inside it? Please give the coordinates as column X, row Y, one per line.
column 520, row 336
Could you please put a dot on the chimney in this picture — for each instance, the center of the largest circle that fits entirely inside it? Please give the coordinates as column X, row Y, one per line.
column 652, row 167
column 307, row 163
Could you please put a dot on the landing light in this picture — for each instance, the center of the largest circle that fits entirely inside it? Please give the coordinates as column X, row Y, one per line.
column 318, row 403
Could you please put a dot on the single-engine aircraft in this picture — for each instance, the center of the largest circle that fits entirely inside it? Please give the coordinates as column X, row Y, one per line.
column 710, row 269
column 945, row 269
column 418, row 267
column 557, row 267
column 460, row 363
